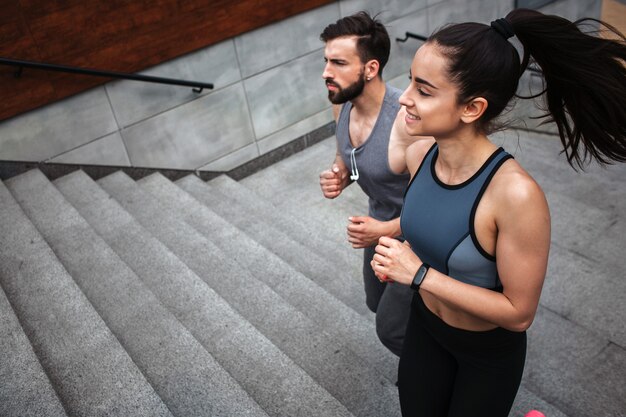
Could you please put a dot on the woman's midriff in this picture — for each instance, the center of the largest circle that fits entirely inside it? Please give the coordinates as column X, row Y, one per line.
column 454, row 317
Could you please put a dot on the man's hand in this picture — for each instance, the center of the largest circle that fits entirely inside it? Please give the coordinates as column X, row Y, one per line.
column 333, row 181
column 364, row 231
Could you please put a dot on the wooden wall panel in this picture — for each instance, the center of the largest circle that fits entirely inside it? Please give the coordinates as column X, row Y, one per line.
column 115, row 35
column 17, row 43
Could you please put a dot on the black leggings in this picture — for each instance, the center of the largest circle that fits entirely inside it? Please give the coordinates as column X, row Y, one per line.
column 449, row 372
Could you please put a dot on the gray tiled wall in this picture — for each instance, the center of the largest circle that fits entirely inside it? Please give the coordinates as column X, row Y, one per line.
column 288, row 40
column 286, row 94
column 190, row 135
column 387, row 11
column 109, row 148
column 268, row 92
column 134, row 101
column 58, row 128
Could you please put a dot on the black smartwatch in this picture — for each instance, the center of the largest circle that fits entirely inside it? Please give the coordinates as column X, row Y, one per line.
column 419, row 276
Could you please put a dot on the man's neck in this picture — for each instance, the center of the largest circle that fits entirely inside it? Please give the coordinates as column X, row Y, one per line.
column 369, row 102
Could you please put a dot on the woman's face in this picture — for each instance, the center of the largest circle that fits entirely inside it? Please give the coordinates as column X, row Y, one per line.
column 431, row 97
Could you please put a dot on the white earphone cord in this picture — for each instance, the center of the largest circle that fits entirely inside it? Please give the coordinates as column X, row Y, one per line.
column 353, row 167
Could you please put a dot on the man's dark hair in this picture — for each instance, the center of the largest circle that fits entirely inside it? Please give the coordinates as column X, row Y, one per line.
column 372, row 37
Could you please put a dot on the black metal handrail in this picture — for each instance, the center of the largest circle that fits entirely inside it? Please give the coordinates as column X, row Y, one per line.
column 198, row 86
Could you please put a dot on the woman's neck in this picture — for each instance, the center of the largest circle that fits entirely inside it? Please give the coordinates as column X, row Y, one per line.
column 460, row 158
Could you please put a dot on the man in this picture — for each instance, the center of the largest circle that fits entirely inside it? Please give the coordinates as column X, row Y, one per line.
column 371, row 141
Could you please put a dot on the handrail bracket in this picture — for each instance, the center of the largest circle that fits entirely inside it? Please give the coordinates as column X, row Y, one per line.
column 408, row 35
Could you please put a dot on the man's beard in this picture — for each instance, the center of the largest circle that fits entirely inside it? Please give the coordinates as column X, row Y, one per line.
column 351, row 92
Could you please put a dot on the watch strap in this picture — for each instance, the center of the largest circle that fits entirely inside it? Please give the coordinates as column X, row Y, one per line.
column 419, row 276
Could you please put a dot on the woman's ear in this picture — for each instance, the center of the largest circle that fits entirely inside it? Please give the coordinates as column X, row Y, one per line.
column 474, row 109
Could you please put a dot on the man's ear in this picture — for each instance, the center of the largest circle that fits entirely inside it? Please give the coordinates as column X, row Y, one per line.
column 371, row 69
column 474, row 109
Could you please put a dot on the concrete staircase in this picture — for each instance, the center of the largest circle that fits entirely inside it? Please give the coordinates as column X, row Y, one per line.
column 226, row 298
column 155, row 298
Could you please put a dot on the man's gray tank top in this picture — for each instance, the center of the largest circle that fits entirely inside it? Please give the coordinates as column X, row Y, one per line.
column 384, row 188
column 438, row 221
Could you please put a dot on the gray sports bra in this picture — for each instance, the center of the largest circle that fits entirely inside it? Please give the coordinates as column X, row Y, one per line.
column 438, row 221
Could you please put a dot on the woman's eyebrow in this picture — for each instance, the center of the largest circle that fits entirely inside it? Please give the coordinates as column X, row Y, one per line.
column 422, row 81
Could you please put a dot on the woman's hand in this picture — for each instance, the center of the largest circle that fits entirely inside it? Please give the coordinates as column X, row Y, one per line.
column 395, row 261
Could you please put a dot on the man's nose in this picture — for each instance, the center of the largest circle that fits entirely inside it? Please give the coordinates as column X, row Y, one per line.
column 326, row 74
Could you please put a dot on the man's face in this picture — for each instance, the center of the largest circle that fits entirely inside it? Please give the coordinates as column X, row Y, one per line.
column 344, row 71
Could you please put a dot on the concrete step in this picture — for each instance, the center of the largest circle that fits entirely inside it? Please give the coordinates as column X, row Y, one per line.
column 292, row 219
column 337, row 280
column 339, row 371
column 181, row 371
column 271, row 378
column 90, row 371
column 25, row 389
column 527, row 400
column 337, row 319
column 292, row 186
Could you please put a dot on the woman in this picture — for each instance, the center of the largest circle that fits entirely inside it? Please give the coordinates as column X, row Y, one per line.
column 477, row 225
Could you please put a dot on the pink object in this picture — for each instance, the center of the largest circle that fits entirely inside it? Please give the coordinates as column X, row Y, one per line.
column 534, row 413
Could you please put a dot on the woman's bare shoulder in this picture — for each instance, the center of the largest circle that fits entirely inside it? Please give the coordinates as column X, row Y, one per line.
column 416, row 151
column 514, row 189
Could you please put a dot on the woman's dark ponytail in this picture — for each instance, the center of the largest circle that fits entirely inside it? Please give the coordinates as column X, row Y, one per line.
column 585, row 83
